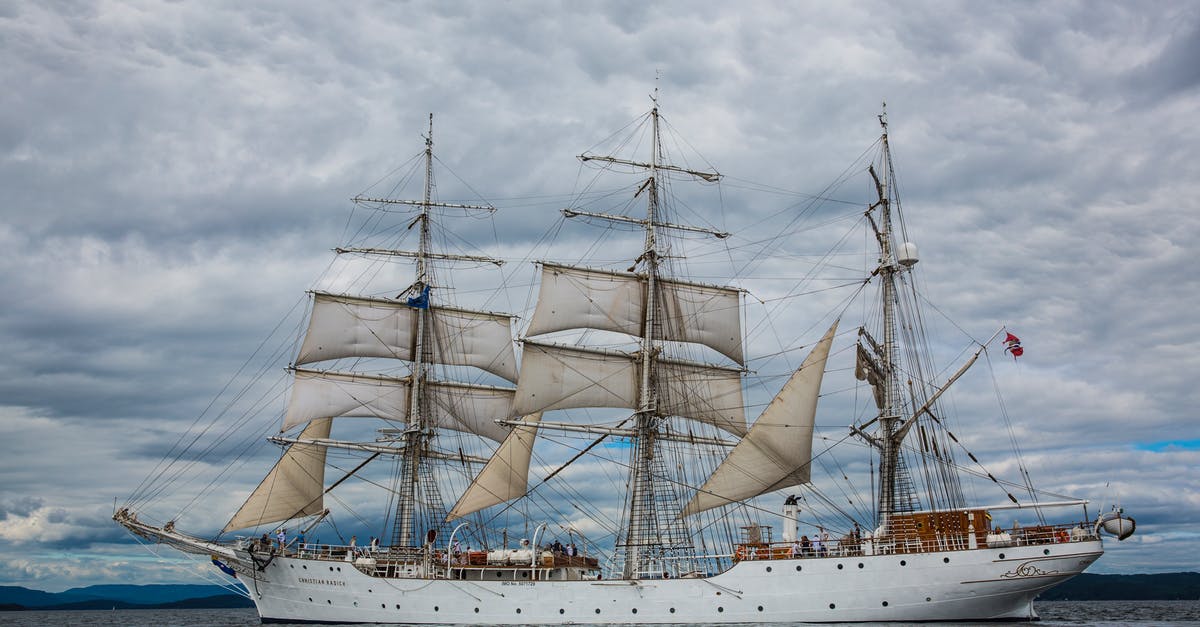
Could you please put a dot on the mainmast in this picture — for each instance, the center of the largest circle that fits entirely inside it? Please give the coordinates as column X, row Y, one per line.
column 642, row 531
column 658, row 387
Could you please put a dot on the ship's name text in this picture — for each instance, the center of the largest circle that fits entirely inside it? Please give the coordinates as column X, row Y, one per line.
column 323, row 582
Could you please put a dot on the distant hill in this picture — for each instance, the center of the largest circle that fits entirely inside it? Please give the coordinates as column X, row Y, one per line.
column 161, row 596
column 1165, row 586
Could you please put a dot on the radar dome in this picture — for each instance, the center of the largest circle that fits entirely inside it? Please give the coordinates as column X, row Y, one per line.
column 907, row 255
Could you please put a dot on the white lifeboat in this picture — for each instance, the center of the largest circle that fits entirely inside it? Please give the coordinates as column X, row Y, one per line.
column 1116, row 523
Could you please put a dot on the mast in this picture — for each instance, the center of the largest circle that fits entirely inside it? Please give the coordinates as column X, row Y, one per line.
column 653, row 385
column 416, row 437
column 895, row 486
column 642, row 519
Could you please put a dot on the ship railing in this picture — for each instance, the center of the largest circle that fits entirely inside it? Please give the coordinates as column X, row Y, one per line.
column 349, row 553
column 905, row 543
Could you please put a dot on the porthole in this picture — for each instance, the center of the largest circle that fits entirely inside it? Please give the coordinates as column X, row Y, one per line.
column 945, row 560
column 291, row 565
column 331, row 569
column 383, row 606
column 839, row 566
column 768, row 569
column 518, row 610
column 860, row 564
column 525, row 575
column 634, row 610
column 561, row 611
column 310, row 599
column 904, row 562
column 760, row 608
column 832, row 606
column 597, row 610
column 398, row 607
column 1045, row 551
column 339, row 569
column 672, row 610
column 369, row 591
column 435, row 608
column 928, row 599
column 799, row 568
column 885, row 603
column 1001, row 556
column 304, row 566
column 329, row 601
column 498, row 575
column 476, row 610
column 720, row 609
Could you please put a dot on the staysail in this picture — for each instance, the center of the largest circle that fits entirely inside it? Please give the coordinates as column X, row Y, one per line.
column 505, row 476
column 294, row 487
column 777, row 452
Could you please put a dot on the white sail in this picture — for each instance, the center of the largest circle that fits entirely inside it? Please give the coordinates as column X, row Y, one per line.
column 583, row 298
column 458, row 406
column 777, row 452
column 505, row 476
column 560, row 377
column 352, row 326
column 565, row 377
column 586, row 298
column 294, row 487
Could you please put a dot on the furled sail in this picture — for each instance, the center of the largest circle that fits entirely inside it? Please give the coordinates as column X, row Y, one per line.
column 565, row 377
column 293, row 488
column 505, row 476
column 586, row 298
column 866, row 368
column 352, row 326
column 458, row 406
column 777, row 452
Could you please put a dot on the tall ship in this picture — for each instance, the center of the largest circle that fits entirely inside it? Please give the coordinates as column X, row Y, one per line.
column 623, row 455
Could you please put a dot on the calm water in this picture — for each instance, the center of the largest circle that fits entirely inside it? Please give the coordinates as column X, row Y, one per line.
column 1106, row 613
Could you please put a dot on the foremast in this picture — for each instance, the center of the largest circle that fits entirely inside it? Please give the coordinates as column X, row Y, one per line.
column 412, row 330
column 418, row 433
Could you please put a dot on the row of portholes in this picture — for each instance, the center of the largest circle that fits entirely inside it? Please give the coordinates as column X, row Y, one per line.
column 720, row 609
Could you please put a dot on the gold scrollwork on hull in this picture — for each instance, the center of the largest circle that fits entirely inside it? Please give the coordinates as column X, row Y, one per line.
column 1027, row 570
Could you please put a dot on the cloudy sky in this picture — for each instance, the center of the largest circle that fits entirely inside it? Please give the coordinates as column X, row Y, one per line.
column 173, row 175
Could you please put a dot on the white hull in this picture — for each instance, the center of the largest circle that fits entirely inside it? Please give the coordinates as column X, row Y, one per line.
column 981, row 584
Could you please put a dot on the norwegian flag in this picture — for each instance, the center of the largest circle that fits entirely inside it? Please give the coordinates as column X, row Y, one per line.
column 1012, row 345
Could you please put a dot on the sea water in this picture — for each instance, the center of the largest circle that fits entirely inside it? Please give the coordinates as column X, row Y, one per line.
column 1053, row 613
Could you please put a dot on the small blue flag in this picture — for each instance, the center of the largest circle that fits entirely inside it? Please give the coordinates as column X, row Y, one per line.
column 225, row 569
column 419, row 302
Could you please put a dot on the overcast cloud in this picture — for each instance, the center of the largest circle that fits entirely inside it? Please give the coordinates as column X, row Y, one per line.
column 172, row 176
